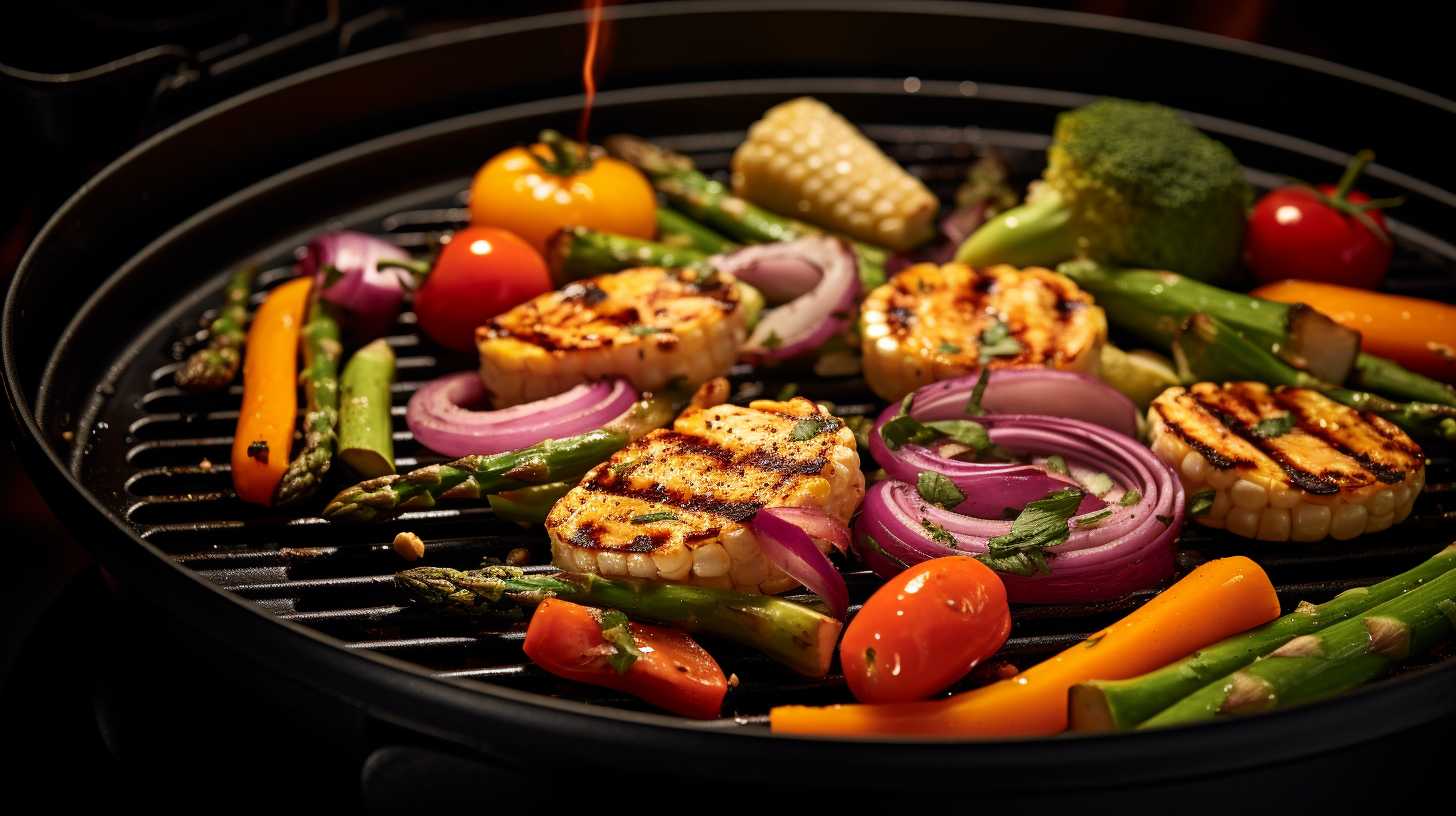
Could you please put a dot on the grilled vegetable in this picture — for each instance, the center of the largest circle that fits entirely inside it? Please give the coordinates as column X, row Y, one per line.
column 321, row 350
column 576, row 253
column 933, row 323
column 677, row 230
column 1328, row 661
column 1140, row 375
column 557, row 183
column 923, row 630
column 471, row 477
column 1419, row 334
column 790, row 633
column 819, row 275
column 675, row 505
column 529, row 505
column 649, row 325
column 365, row 278
column 215, row 365
column 366, row 432
column 709, row 202
column 1284, row 464
column 1218, row 599
column 264, row 434
column 805, row 159
column 1115, row 704
column 1208, row 349
column 1130, row 183
column 481, row 273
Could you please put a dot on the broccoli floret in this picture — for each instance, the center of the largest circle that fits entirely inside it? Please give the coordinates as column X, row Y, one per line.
column 1127, row 183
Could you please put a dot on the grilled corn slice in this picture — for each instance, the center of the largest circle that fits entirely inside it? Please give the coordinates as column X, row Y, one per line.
column 649, row 325
column 674, row 505
column 933, row 322
column 804, row 160
column 1285, row 464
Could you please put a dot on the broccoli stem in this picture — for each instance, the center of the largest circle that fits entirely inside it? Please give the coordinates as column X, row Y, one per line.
column 1038, row 233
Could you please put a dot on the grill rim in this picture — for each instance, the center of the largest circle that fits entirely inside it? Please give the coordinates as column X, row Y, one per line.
column 376, row 675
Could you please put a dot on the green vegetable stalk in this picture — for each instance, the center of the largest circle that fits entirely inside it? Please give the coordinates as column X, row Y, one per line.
column 1126, row 182
column 1119, row 704
column 366, row 431
column 577, row 252
column 215, row 365
column 797, row 636
column 1328, row 661
column 321, row 350
column 529, row 505
column 677, row 230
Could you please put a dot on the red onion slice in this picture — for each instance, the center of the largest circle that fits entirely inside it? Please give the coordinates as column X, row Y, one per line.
column 790, row 548
column 820, row 311
column 1045, row 391
column 370, row 296
column 439, row 421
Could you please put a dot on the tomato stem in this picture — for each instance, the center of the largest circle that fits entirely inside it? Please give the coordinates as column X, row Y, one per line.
column 1352, row 172
column 567, row 157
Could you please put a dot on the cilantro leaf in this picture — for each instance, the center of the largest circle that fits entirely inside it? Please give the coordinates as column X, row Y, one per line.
column 1039, row 525
column 1131, row 497
column 937, row 489
column 661, row 515
column 938, row 534
column 967, row 432
column 773, row 340
column 904, row 429
column 617, row 632
column 973, row 407
column 1093, row 519
column 1201, row 501
column 1274, row 426
column 810, row 427
column 996, row 341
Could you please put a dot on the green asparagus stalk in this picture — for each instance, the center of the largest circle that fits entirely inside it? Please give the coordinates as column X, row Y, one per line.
column 1329, row 661
column 321, row 350
column 1209, row 349
column 797, row 636
column 215, row 365
column 1101, row 705
column 1387, row 377
column 366, row 432
column 529, row 505
column 709, row 202
column 577, row 252
column 677, row 230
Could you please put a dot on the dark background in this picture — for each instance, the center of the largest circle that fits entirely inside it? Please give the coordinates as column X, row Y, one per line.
column 49, row 589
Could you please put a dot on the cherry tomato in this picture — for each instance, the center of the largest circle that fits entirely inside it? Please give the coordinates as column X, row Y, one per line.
column 673, row 671
column 1296, row 232
column 536, row 191
column 479, row 274
column 924, row 629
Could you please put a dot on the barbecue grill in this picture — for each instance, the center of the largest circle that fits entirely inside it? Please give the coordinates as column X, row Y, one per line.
column 111, row 296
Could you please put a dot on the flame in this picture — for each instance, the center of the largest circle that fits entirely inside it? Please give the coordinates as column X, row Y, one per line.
column 589, row 66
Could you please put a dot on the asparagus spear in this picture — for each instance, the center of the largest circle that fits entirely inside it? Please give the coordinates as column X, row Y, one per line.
column 677, row 230
column 1208, row 349
column 710, row 203
column 1117, row 704
column 797, row 636
column 577, row 252
column 321, row 350
column 1329, row 661
column 529, row 505
column 366, row 432
column 215, row 365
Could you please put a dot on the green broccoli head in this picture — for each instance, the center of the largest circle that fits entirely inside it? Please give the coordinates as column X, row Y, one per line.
column 1128, row 183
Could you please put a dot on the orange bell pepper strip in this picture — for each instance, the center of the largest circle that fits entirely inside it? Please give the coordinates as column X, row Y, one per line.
column 1418, row 334
column 1218, row 599
column 270, row 393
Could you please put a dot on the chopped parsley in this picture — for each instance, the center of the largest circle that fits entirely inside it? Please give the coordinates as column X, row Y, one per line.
column 1093, row 519
column 968, row 433
column 973, row 407
column 1274, row 426
column 937, row 533
column 1056, row 464
column 1131, row 497
column 949, row 348
column 617, row 632
column 937, row 489
column 661, row 515
column 996, row 341
column 773, row 340
column 1201, row 501
column 643, row 330
column 904, row 429
column 1041, row 524
column 810, row 427
column 1098, row 484
column 624, row 469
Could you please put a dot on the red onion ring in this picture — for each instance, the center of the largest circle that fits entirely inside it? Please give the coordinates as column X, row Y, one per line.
column 818, row 312
column 436, row 417
column 1044, row 391
column 372, row 297
column 1132, row 549
column 790, row 547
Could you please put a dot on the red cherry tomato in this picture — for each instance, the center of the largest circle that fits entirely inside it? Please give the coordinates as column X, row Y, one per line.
column 481, row 273
column 924, row 629
column 1297, row 233
column 673, row 671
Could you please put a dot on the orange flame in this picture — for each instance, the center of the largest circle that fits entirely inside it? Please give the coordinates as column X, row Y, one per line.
column 589, row 66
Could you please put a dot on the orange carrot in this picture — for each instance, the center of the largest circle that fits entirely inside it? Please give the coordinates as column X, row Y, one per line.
column 1216, row 600
column 1418, row 334
column 270, row 393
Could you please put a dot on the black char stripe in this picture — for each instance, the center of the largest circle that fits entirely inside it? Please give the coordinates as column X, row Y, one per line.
column 1215, row 457
column 758, row 458
column 1311, row 426
column 1301, row 478
column 661, row 494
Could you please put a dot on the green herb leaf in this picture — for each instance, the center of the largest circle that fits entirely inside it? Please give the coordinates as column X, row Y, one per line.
column 965, row 431
column 787, row 392
column 810, row 427
column 331, row 275
column 948, row 348
column 1056, row 464
column 937, row 489
column 1098, row 484
column 1093, row 519
column 773, row 340
column 938, row 534
column 874, row 546
column 996, row 341
column 1165, row 520
column 1201, row 501
column 1041, row 524
column 1274, row 426
column 1131, row 497
column 974, row 406
column 616, row 631
column 642, row 330
column 624, row 469
column 661, row 515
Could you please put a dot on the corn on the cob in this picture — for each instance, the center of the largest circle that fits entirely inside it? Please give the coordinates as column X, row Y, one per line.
column 804, row 160
column 933, row 322
column 674, row 505
column 649, row 325
column 1285, row 464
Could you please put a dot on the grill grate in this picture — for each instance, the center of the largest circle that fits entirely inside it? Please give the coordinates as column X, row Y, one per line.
column 175, row 489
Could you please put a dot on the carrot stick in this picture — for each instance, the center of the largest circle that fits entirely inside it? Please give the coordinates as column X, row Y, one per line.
column 1216, row 600
column 270, row 393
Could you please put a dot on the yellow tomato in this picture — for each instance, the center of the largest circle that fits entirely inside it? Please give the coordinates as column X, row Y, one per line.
column 535, row 191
